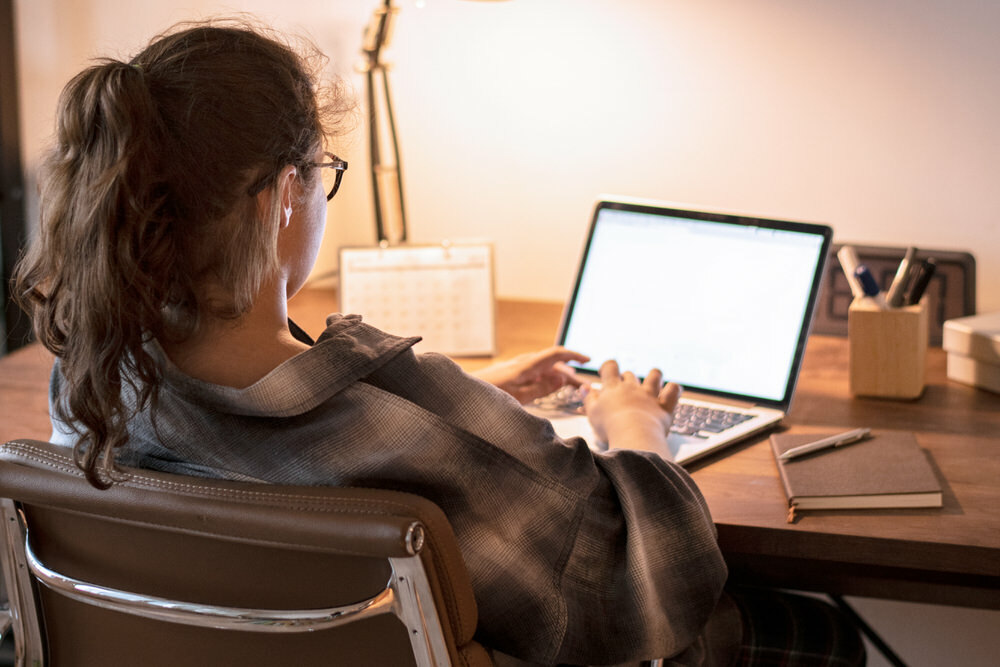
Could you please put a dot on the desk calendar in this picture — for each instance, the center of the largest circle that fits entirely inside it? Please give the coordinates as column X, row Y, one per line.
column 443, row 293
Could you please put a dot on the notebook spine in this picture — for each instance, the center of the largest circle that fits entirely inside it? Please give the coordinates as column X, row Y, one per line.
column 784, row 481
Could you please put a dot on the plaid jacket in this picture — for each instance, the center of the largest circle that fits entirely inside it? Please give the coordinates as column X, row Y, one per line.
column 575, row 556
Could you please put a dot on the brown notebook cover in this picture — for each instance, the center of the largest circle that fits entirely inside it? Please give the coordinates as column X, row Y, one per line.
column 888, row 470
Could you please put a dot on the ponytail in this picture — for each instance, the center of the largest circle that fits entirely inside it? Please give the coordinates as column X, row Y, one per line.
column 94, row 280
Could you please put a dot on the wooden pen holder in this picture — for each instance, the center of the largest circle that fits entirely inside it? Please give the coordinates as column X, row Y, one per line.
column 888, row 349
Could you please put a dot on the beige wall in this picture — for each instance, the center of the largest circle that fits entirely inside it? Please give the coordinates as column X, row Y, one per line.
column 879, row 118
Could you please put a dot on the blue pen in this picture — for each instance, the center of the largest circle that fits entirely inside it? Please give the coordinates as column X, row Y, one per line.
column 869, row 284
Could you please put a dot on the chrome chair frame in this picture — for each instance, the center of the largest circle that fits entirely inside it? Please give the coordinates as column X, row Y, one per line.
column 25, row 623
column 403, row 597
column 409, row 594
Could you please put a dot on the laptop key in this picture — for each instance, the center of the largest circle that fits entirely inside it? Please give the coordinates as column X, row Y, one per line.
column 715, row 427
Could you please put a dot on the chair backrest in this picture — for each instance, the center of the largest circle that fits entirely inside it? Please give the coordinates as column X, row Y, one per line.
column 165, row 570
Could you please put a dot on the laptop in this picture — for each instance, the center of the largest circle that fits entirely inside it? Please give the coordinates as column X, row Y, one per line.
column 720, row 303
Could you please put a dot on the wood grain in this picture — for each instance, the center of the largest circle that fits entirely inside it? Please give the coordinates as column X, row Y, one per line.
column 888, row 349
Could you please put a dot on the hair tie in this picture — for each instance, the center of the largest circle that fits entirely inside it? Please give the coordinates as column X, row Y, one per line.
column 136, row 66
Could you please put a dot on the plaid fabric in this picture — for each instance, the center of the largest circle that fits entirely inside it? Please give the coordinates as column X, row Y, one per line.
column 575, row 557
column 785, row 630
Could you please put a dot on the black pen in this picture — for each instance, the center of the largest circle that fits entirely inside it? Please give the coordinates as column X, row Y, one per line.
column 922, row 275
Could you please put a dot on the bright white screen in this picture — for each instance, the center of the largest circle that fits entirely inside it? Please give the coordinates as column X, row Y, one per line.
column 716, row 306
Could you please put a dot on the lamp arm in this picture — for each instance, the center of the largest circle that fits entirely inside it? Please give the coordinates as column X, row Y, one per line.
column 378, row 32
column 391, row 120
column 387, row 181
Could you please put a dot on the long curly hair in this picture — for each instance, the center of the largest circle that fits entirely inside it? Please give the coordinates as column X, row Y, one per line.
column 147, row 194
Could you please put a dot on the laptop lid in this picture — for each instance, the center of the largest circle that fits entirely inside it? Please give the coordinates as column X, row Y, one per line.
column 721, row 303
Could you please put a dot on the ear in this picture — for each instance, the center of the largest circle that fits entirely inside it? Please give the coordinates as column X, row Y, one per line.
column 286, row 191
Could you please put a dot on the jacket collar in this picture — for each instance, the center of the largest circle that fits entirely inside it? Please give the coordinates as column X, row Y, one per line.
column 347, row 351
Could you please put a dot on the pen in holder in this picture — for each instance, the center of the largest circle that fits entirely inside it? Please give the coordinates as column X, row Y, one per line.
column 888, row 349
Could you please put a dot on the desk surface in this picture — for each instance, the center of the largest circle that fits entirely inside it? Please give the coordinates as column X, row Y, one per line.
column 949, row 555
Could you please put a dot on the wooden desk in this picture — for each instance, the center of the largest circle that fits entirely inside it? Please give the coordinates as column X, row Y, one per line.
column 949, row 555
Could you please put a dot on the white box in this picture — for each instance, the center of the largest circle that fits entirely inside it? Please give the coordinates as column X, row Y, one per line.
column 976, row 336
column 971, row 371
column 973, row 347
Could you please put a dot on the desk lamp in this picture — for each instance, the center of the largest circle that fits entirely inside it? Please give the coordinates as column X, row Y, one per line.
column 387, row 177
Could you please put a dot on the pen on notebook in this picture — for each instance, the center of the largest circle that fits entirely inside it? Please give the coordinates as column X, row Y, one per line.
column 869, row 285
column 849, row 263
column 898, row 287
column 838, row 440
column 922, row 275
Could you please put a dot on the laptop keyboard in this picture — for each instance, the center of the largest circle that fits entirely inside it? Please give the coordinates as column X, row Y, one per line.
column 694, row 420
column 564, row 399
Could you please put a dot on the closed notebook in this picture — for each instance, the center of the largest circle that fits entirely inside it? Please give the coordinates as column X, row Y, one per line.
column 888, row 470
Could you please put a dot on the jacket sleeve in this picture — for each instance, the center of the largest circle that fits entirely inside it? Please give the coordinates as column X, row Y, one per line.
column 614, row 554
column 645, row 571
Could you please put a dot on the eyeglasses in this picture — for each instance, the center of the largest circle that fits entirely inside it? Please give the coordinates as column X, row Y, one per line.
column 339, row 167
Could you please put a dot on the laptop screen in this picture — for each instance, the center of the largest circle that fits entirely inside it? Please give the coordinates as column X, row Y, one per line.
column 720, row 303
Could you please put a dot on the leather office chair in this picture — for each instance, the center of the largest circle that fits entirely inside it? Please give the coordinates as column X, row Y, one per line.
column 190, row 571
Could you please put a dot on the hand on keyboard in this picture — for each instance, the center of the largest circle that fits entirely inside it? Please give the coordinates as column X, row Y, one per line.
column 625, row 413
column 529, row 376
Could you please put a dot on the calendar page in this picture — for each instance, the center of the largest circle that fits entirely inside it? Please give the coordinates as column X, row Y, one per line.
column 443, row 293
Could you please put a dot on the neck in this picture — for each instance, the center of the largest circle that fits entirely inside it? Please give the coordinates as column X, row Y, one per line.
column 238, row 353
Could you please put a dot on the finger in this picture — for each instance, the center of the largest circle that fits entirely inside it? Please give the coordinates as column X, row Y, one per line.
column 653, row 381
column 610, row 375
column 550, row 382
column 669, row 396
column 556, row 354
column 629, row 377
column 569, row 375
